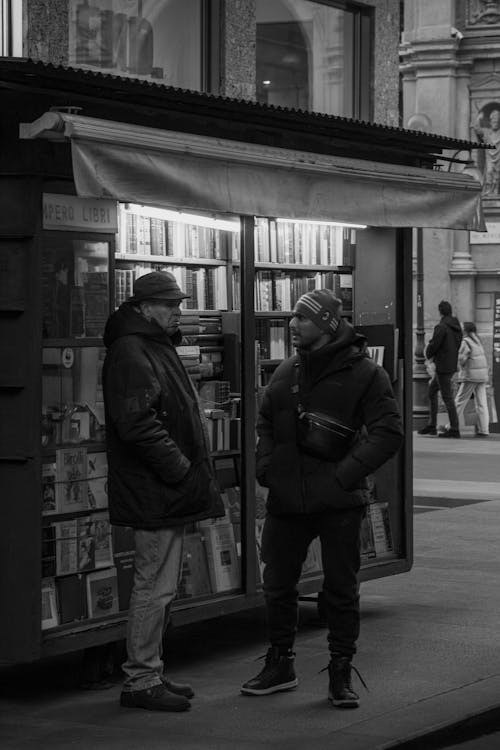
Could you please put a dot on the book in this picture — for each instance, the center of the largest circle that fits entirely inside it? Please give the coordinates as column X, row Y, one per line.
column 223, row 563
column 50, row 617
column 48, row 551
column 377, row 354
column 195, row 580
column 123, row 539
column 71, row 474
column 124, row 563
column 49, row 505
column 102, row 593
column 71, row 597
column 158, row 237
column 66, row 541
column 103, row 548
column 381, row 525
column 367, row 540
column 97, row 480
column 85, row 543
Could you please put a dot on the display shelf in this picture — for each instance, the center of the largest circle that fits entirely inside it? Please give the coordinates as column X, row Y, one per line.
column 302, row 267
column 168, row 260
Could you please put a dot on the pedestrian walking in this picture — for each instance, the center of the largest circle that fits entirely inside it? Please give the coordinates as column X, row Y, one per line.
column 473, row 377
column 442, row 349
column 328, row 419
column 160, row 477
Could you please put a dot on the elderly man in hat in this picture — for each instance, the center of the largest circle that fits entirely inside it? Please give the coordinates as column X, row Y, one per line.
column 160, row 477
column 328, row 419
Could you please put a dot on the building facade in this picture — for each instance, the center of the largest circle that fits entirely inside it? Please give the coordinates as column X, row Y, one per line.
column 450, row 65
column 334, row 57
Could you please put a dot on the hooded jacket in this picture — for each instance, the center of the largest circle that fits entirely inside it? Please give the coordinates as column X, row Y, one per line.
column 342, row 381
column 444, row 344
column 159, row 470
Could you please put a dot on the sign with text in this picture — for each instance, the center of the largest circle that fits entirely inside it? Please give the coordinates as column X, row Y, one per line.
column 496, row 355
column 68, row 212
column 490, row 237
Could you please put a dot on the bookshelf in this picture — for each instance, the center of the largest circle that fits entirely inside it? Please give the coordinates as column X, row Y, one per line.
column 291, row 259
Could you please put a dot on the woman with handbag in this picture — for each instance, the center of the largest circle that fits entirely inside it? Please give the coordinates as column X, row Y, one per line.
column 473, row 377
column 328, row 419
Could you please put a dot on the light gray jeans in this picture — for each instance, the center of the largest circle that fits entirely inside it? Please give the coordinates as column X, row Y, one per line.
column 158, row 557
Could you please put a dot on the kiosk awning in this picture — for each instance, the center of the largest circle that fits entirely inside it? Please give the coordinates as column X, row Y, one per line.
column 180, row 170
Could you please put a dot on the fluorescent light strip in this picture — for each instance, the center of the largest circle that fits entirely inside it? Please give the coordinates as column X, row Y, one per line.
column 183, row 218
column 322, row 223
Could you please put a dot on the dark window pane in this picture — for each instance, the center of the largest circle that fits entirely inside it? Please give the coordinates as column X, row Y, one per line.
column 307, row 57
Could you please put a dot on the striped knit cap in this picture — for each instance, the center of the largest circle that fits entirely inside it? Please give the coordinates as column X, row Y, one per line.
column 322, row 307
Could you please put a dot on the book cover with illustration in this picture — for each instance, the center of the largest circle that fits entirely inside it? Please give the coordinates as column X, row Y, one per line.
column 71, row 476
column 66, row 539
column 97, row 480
column 102, row 593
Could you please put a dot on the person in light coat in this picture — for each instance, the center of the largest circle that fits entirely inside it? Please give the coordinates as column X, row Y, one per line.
column 473, row 377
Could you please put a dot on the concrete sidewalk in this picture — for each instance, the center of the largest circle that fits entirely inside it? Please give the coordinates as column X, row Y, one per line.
column 428, row 651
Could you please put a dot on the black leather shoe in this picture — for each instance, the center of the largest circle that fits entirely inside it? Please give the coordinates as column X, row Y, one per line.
column 427, row 430
column 449, row 433
column 178, row 688
column 156, row 698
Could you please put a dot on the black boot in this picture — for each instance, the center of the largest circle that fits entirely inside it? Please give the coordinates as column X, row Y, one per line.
column 278, row 674
column 340, row 691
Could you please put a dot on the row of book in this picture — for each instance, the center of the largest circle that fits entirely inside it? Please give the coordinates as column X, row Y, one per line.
column 71, row 591
column 303, row 243
column 142, row 235
column 206, row 285
column 273, row 337
column 280, row 290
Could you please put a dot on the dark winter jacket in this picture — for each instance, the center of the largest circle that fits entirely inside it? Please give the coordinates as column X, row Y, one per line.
column 159, row 470
column 342, row 381
column 444, row 344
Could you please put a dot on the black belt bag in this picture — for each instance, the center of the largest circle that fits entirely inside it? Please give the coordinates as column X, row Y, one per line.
column 321, row 435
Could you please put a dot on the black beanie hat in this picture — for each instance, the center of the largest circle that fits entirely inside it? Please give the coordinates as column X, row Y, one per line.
column 322, row 307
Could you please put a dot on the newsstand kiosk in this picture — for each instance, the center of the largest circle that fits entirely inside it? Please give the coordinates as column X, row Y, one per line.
column 104, row 179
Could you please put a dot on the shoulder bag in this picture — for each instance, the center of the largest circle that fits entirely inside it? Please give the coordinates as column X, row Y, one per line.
column 319, row 434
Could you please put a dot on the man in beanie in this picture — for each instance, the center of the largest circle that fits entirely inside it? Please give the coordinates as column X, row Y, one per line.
column 312, row 495
column 160, row 477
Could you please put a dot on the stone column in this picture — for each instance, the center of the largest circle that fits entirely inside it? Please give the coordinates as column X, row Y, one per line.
column 238, row 40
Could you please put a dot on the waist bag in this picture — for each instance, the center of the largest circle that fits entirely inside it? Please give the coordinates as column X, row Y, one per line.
column 318, row 434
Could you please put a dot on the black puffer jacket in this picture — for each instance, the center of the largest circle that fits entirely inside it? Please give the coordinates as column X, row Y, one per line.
column 444, row 344
column 159, row 470
column 340, row 380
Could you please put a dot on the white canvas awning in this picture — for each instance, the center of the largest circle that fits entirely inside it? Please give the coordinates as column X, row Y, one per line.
column 182, row 171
